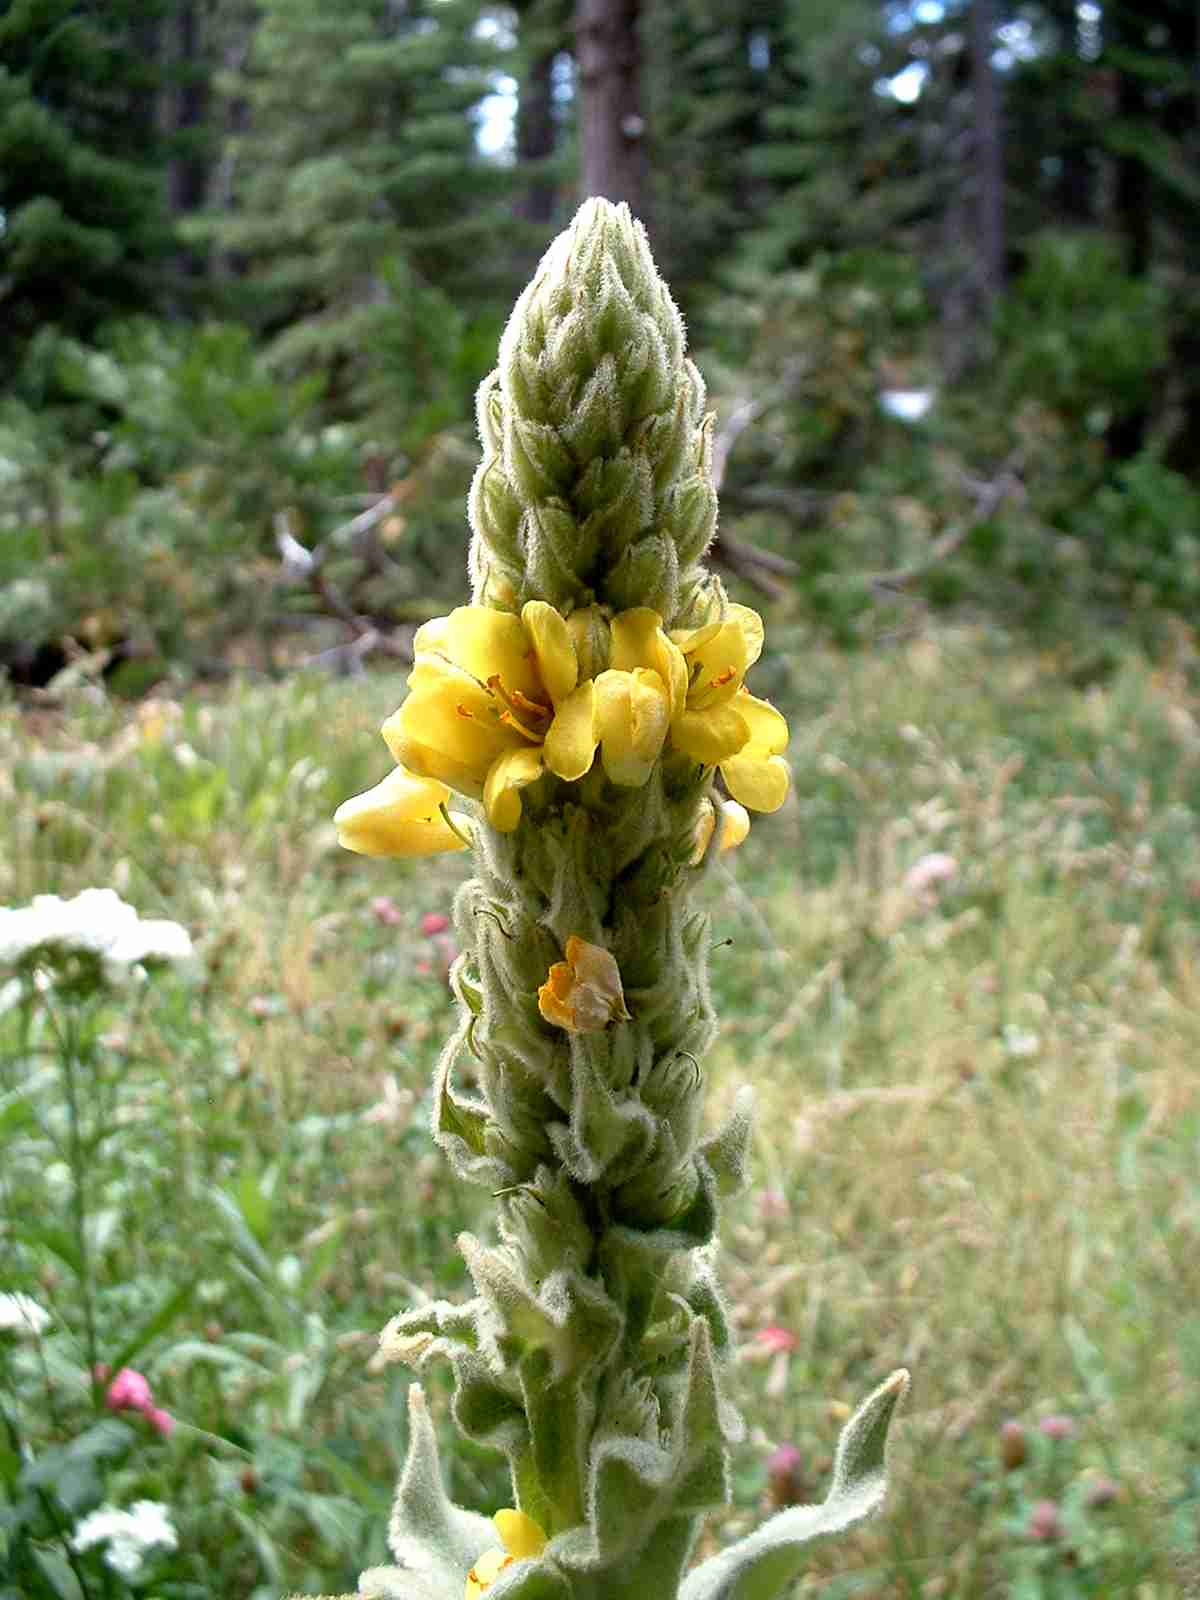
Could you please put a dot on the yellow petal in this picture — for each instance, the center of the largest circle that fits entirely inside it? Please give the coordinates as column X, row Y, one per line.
column 735, row 825
column 485, row 643
column 485, row 1572
column 632, row 718
column 508, row 776
column 691, row 639
column 751, row 624
column 432, row 637
column 448, row 727
column 553, row 648
column 399, row 817
column 756, row 775
column 638, row 640
column 768, row 727
column 522, row 1536
column 760, row 782
column 711, row 735
column 571, row 741
column 716, row 663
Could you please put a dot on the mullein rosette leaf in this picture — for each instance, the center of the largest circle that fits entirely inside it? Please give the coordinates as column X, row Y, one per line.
column 586, row 706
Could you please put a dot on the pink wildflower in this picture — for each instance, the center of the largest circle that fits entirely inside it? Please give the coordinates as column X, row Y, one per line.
column 434, row 922
column 386, row 911
column 785, row 1479
column 927, row 875
column 162, row 1420
column 1044, row 1522
column 775, row 1339
column 1057, row 1427
column 129, row 1391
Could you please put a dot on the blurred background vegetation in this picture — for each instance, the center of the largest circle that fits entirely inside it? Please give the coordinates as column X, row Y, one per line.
column 255, row 255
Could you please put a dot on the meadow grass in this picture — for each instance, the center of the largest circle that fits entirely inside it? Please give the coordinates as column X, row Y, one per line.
column 964, row 979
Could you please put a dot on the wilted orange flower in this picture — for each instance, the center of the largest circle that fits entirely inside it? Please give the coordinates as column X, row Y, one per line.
column 583, row 994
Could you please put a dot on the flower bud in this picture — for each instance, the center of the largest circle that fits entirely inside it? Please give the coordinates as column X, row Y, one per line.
column 1013, row 1446
column 1045, row 1523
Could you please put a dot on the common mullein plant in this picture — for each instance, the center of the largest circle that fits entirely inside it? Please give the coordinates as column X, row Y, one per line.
column 586, row 702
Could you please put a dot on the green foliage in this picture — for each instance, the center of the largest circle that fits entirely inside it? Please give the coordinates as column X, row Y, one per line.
column 1080, row 335
column 359, row 188
column 85, row 228
column 140, row 508
column 968, row 1097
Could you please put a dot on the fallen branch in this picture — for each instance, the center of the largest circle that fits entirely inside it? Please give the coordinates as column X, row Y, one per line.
column 748, row 561
column 989, row 496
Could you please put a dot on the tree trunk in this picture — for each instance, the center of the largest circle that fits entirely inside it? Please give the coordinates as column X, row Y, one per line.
column 612, row 127
column 537, row 129
column 188, row 171
column 988, row 152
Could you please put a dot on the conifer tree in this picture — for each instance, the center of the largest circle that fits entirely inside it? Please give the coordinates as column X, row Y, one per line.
column 359, row 186
column 83, row 222
column 715, row 72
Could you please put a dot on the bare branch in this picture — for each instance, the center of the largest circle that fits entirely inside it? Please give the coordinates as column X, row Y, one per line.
column 988, row 495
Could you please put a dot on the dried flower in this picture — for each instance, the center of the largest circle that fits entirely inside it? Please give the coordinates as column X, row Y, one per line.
column 785, row 1482
column 1100, row 1492
column 583, row 994
column 1013, row 1446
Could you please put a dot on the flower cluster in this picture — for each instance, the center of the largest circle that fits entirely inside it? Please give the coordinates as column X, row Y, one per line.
column 497, row 701
column 129, row 1535
column 96, row 924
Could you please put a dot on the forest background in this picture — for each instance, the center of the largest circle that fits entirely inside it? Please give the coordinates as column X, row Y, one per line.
column 941, row 270
column 254, row 258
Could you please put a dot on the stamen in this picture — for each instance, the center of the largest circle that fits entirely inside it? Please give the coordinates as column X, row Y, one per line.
column 725, row 677
column 519, row 726
column 520, row 705
column 531, row 708
column 463, row 712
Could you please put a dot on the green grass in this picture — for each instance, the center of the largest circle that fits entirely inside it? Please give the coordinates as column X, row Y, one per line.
column 977, row 1150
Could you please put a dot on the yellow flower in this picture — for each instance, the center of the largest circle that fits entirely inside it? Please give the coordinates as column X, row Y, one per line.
column 757, row 775
column 495, row 699
column 583, row 994
column 399, row 817
column 523, row 1540
column 713, row 717
column 735, row 825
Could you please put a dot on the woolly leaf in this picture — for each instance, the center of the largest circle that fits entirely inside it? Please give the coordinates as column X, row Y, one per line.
column 728, row 1148
column 761, row 1566
column 434, row 1541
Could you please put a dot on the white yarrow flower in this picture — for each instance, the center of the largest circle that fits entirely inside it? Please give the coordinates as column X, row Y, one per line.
column 128, row 1534
column 906, row 405
column 20, row 1314
column 96, row 922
